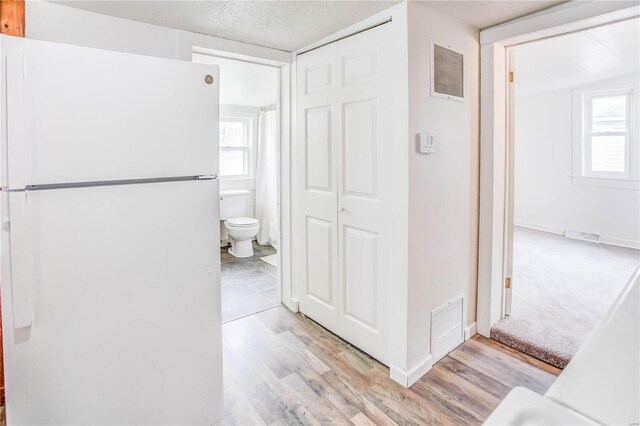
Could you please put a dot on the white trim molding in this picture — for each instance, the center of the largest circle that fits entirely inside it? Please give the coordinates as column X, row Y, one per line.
column 561, row 19
column 470, row 331
column 248, row 116
column 580, row 122
column 619, row 242
column 543, row 228
column 408, row 378
column 604, row 239
column 291, row 303
column 601, row 182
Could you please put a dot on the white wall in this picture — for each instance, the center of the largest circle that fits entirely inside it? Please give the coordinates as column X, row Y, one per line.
column 545, row 197
column 245, row 87
column 443, row 187
column 63, row 24
column 244, row 83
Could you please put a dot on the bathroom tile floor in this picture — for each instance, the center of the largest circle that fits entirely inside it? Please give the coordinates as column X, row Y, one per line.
column 248, row 285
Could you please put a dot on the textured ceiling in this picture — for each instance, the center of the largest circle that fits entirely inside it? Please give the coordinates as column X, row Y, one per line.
column 484, row 14
column 289, row 25
column 579, row 58
column 285, row 25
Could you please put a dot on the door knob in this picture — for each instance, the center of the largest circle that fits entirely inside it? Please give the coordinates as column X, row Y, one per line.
column 342, row 210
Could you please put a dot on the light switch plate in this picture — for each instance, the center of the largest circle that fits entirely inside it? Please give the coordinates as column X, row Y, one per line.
column 426, row 143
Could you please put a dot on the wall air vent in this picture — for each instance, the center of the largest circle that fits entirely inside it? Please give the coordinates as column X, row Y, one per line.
column 447, row 330
column 584, row 236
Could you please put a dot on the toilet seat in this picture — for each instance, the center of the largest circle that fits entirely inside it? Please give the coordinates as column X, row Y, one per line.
column 242, row 231
column 242, row 222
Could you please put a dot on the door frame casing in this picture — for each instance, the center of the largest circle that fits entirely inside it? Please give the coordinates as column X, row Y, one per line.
column 495, row 179
column 507, row 262
column 283, row 272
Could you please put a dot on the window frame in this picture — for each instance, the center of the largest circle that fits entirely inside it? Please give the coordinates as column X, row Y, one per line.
column 588, row 134
column 581, row 134
column 249, row 117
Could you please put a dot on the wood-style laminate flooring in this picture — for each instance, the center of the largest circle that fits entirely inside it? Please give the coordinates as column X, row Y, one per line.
column 283, row 368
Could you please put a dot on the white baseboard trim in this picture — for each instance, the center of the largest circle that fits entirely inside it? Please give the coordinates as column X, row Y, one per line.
column 603, row 238
column 470, row 330
column 544, row 228
column 292, row 304
column 620, row 242
column 405, row 378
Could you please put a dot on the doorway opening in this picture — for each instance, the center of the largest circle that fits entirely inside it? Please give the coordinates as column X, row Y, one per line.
column 250, row 230
column 573, row 177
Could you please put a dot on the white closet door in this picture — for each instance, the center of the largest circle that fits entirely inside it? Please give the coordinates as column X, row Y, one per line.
column 364, row 199
column 345, row 228
column 317, row 155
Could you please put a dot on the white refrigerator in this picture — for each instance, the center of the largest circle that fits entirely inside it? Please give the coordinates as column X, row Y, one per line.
column 110, row 271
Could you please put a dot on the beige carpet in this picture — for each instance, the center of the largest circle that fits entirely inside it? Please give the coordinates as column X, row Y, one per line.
column 561, row 288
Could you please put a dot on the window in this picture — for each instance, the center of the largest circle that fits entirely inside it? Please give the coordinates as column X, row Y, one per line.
column 605, row 145
column 607, row 135
column 235, row 146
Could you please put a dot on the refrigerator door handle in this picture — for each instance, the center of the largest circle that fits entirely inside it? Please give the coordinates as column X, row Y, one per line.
column 19, row 252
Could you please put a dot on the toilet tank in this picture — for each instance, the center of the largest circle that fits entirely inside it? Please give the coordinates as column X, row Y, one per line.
column 234, row 203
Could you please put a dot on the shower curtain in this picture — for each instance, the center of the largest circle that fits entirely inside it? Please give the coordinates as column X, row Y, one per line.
column 267, row 178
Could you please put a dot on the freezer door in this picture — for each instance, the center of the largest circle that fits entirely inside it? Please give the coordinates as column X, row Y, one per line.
column 77, row 114
column 124, row 305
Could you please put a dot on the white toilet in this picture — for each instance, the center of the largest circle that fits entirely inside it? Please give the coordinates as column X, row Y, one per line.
column 242, row 231
column 240, row 228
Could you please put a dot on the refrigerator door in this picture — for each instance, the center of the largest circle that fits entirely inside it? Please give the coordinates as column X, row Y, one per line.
column 76, row 114
column 123, row 302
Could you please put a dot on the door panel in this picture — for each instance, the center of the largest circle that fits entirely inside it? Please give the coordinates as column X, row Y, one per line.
column 365, row 207
column 95, row 115
column 361, row 286
column 360, row 67
column 318, row 147
column 316, row 222
column 340, row 88
column 318, row 78
column 125, row 330
column 360, row 148
column 320, row 242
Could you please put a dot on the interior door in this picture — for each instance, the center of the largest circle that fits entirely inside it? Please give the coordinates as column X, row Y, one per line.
column 346, row 193
column 364, row 206
column 318, row 151
column 510, row 183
